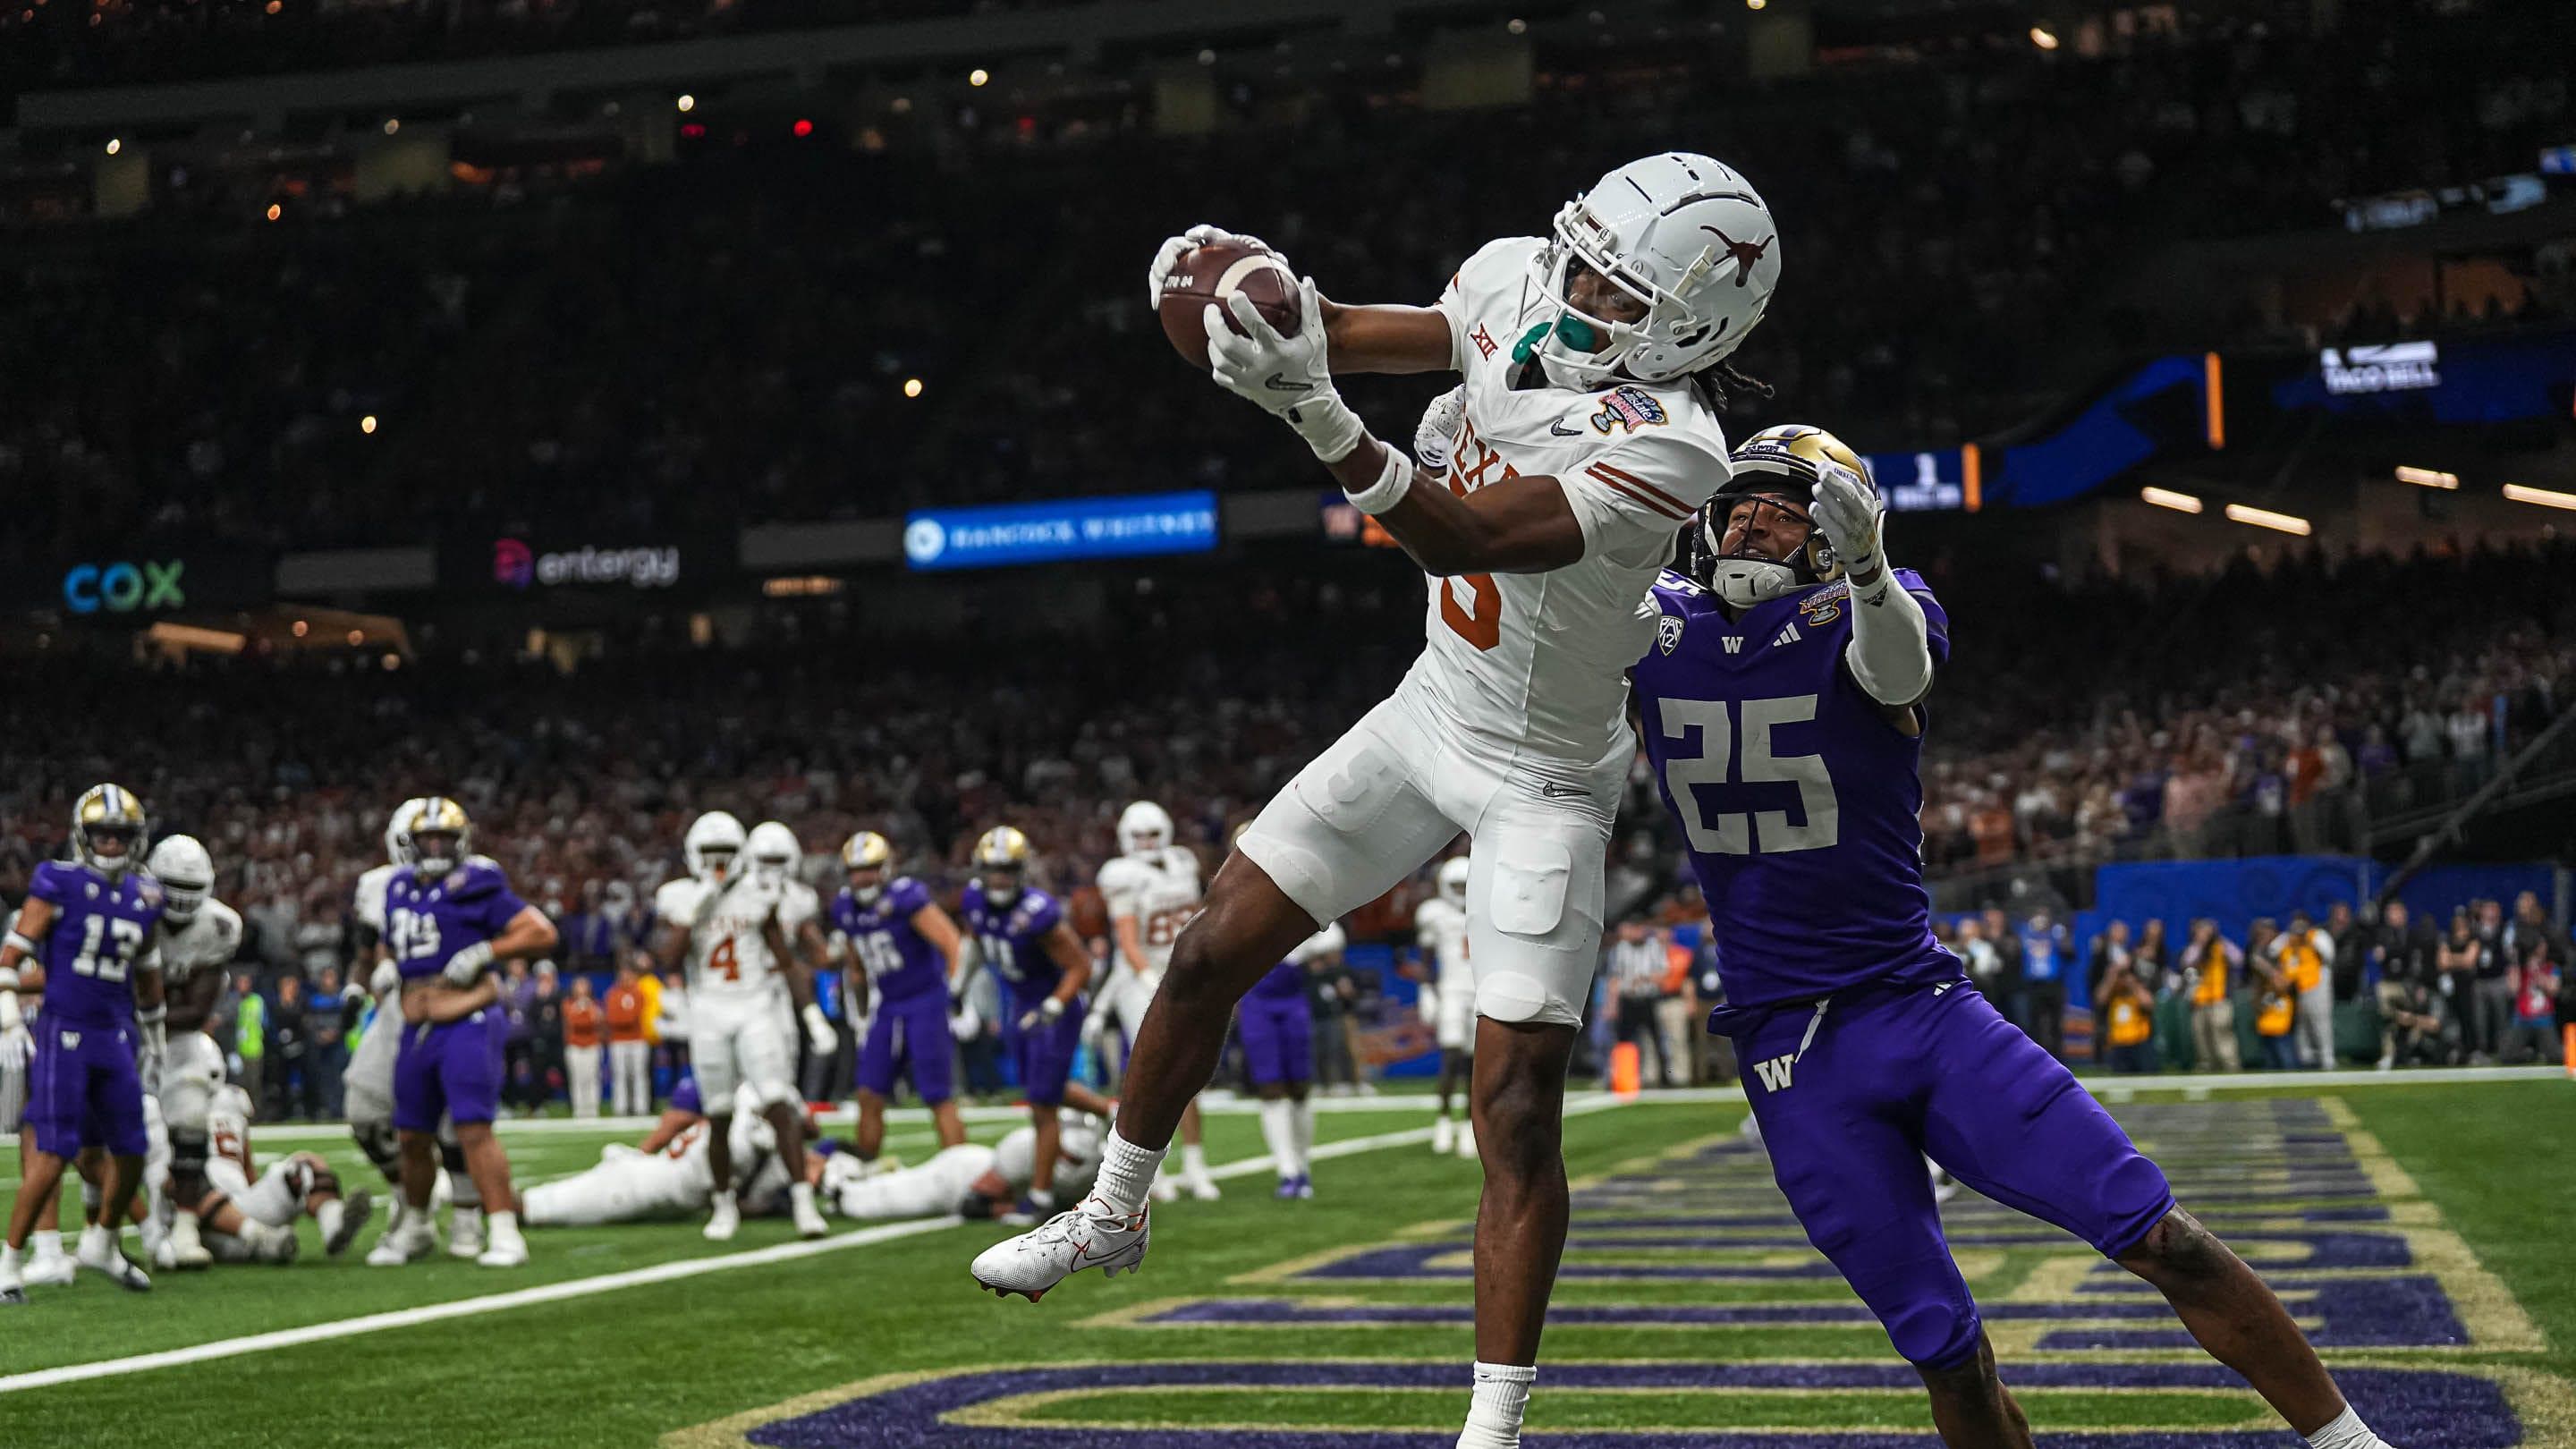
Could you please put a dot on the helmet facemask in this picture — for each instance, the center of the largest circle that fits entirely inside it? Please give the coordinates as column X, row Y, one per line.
column 1750, row 573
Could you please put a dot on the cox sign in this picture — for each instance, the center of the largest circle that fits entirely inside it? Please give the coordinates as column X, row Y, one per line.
column 125, row 588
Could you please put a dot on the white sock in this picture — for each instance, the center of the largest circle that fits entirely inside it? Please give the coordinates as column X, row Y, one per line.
column 1301, row 1121
column 2346, row 1431
column 1494, row 1415
column 9, row 1274
column 46, row 1243
column 1193, row 1160
column 1126, row 1174
column 1279, row 1137
column 1042, row 1198
column 328, row 1216
column 800, row 1194
column 504, row 1226
column 724, row 1198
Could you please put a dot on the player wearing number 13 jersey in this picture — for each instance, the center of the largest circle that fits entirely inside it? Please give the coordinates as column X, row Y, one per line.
column 1783, row 707
column 1550, row 492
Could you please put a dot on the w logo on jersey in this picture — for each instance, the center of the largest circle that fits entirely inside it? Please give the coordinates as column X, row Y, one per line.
column 1775, row 1073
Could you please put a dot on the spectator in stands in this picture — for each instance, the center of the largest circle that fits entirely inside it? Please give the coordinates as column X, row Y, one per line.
column 327, row 1019
column 287, row 1041
column 2305, row 954
column 2409, row 961
column 2353, row 942
column 545, row 1028
column 2210, row 963
column 2536, row 980
column 1678, row 1017
column 519, row 1086
column 585, row 1032
column 250, row 1037
column 2422, row 1029
column 2491, row 1015
column 2464, row 961
column 1333, row 996
column 630, row 1051
column 2044, row 962
column 2010, row 992
column 2276, row 1003
column 2153, row 961
column 2127, row 1010
column 2110, row 953
column 1635, row 968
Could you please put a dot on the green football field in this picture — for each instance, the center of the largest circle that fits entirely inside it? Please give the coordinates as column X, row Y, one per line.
column 2421, row 1232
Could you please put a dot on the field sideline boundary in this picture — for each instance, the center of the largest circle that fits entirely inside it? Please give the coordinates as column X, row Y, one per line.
column 610, row 1282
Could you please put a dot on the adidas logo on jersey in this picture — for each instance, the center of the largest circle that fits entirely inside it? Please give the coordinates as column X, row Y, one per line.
column 1788, row 635
column 1775, row 1073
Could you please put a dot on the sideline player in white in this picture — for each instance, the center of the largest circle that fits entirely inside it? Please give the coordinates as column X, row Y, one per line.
column 676, row 1179
column 1587, row 436
column 47, row 1264
column 1449, row 998
column 250, row 1215
column 1152, row 890
column 973, row 1181
column 731, row 925
column 199, row 936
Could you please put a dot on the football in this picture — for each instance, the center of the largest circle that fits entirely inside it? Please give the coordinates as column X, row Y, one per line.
column 1212, row 273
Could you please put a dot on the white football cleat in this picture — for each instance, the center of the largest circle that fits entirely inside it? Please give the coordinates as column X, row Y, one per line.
column 465, row 1233
column 406, row 1238
column 272, row 1244
column 508, row 1250
column 50, row 1270
column 1467, row 1140
column 809, row 1218
column 186, row 1250
column 1201, row 1186
column 725, row 1220
column 1164, row 1189
column 1444, row 1136
column 100, row 1254
column 1063, row 1245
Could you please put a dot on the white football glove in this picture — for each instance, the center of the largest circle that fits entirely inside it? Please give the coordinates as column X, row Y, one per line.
column 1169, row 254
column 17, row 1048
column 1045, row 1014
column 467, row 966
column 1853, row 517
column 1288, row 377
column 818, row 1031
column 1437, row 433
column 1095, row 1033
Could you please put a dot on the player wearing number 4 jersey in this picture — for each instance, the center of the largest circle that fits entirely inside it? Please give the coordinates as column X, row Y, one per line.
column 1593, row 364
column 1782, row 702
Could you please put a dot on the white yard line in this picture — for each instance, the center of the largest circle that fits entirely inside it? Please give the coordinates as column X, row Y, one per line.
column 610, row 1282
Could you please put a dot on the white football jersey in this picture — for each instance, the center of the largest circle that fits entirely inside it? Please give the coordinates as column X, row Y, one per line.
column 1161, row 890
column 368, row 903
column 1535, row 665
column 1440, row 927
column 729, row 957
column 1077, row 1166
column 206, row 941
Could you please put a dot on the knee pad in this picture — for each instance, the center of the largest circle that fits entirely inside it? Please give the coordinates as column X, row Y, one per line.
column 188, row 1151
column 451, row 1156
column 382, row 1145
column 1934, row 1335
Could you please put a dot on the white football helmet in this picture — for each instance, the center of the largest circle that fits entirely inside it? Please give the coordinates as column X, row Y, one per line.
column 186, row 873
column 714, row 842
column 1683, row 235
column 775, row 853
column 1453, row 881
column 1143, row 828
column 398, row 831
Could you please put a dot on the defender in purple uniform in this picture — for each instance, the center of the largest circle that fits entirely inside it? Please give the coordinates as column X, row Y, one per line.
column 911, row 951
column 90, row 924
column 1783, row 711
column 1020, row 931
column 449, row 918
column 1276, row 1021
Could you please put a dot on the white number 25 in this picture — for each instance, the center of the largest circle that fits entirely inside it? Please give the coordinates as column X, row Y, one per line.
column 1733, row 833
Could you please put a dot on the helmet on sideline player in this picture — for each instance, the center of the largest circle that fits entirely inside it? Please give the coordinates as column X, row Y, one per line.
column 1001, row 862
column 1776, row 472
column 438, row 818
column 398, row 831
column 104, row 813
column 1687, row 240
column 775, row 853
column 714, row 842
column 1143, row 828
column 1453, row 881
column 186, row 873
column 870, row 854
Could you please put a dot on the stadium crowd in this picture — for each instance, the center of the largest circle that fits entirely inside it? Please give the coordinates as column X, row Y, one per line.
column 729, row 341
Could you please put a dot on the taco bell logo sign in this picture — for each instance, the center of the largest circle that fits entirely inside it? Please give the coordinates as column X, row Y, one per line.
column 517, row 566
column 2394, row 367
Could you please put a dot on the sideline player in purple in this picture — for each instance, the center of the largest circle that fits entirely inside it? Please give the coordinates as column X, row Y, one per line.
column 90, row 923
column 1276, row 1021
column 1783, row 710
column 912, row 952
column 1020, row 931
column 450, row 918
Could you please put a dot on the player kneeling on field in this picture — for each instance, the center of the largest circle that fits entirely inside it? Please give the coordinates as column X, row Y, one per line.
column 1789, row 667
column 248, row 1216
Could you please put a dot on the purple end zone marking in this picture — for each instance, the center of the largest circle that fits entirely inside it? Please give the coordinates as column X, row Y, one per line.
column 2455, row 1410
column 2327, row 1249
column 1413, row 1260
column 2350, row 1313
